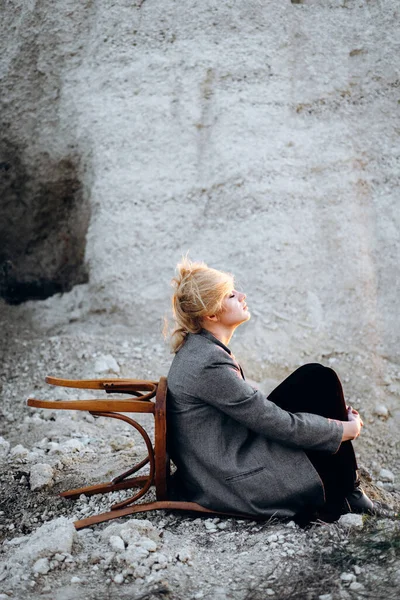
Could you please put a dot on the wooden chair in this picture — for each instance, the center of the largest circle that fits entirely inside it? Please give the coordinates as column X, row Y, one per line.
column 149, row 397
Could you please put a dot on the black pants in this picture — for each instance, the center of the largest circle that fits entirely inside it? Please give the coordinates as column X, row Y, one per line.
column 316, row 389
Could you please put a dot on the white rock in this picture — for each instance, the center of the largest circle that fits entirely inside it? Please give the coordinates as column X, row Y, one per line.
column 132, row 531
column 148, row 544
column 184, row 555
column 351, row 521
column 19, row 451
column 347, row 577
column 272, row 538
column 41, row 566
column 106, row 363
column 53, row 537
column 355, row 586
column 4, row 448
column 72, row 445
column 270, row 592
column 381, row 411
column 386, row 475
column 116, row 543
column 54, row 448
column 325, row 597
column 41, row 476
column 119, row 578
column 76, row 579
column 161, row 559
column 134, row 555
column 122, row 442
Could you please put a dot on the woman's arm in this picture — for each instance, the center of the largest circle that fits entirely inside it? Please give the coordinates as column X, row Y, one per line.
column 221, row 385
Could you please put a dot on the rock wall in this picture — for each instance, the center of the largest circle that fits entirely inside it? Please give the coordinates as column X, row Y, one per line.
column 261, row 136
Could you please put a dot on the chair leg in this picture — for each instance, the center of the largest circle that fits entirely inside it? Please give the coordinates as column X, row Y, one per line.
column 121, row 482
column 105, row 488
column 159, row 505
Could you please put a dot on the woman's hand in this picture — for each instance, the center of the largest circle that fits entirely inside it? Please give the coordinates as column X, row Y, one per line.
column 352, row 427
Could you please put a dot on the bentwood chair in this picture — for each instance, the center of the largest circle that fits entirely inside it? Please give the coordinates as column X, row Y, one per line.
column 148, row 397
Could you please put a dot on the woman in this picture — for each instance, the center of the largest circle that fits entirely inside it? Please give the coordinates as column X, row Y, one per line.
column 236, row 450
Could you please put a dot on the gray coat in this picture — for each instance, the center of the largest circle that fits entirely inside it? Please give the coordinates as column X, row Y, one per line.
column 234, row 449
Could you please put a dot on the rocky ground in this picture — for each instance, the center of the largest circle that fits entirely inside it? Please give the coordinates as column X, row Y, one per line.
column 159, row 555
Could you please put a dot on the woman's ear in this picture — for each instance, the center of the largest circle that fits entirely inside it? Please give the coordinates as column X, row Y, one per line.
column 213, row 318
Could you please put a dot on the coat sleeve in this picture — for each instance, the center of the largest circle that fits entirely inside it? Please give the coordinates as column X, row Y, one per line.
column 222, row 386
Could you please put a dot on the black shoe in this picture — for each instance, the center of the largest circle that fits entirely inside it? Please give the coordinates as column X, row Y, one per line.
column 358, row 502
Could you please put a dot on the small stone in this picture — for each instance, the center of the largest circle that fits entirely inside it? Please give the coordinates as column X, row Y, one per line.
column 347, row 577
column 355, row 586
column 270, row 592
column 41, row 566
column 119, row 578
column 325, row 597
column 41, row 476
column 184, row 556
column 272, row 538
column 106, row 363
column 148, row 544
column 381, row 411
column 116, row 543
column 122, row 442
column 386, row 475
column 291, row 525
column 351, row 521
column 76, row 579
column 19, row 451
column 4, row 447
column 72, row 445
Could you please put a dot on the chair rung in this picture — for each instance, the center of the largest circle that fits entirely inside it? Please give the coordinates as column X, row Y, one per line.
column 101, row 384
column 95, row 405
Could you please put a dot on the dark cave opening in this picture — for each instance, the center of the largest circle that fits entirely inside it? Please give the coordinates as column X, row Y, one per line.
column 44, row 216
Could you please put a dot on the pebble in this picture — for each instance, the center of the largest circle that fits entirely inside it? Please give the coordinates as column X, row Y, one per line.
column 106, row 363
column 184, row 556
column 116, row 543
column 119, row 578
column 325, row 597
column 351, row 521
column 41, row 476
column 148, row 544
column 381, row 411
column 4, row 447
column 76, row 579
column 72, row 445
column 386, row 476
column 347, row 577
column 19, row 451
column 41, row 566
column 355, row 586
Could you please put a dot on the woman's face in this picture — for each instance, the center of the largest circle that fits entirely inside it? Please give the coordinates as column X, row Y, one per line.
column 234, row 310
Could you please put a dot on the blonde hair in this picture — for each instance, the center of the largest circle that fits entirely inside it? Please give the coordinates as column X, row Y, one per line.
column 199, row 292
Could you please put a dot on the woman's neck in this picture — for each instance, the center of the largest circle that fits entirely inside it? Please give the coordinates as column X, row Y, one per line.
column 223, row 334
